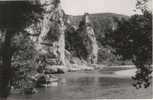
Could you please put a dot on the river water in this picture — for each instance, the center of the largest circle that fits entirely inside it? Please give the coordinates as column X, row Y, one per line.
column 89, row 86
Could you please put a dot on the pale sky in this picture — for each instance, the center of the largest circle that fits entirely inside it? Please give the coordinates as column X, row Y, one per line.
column 79, row 7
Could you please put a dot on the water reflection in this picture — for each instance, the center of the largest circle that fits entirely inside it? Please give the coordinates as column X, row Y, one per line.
column 74, row 86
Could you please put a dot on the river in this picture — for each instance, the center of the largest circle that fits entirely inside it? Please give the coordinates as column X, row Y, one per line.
column 89, row 86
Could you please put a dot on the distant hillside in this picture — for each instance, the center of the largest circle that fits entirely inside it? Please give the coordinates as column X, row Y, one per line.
column 99, row 17
column 101, row 22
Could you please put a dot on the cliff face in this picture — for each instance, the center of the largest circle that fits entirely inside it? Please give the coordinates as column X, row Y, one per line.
column 89, row 39
column 51, row 41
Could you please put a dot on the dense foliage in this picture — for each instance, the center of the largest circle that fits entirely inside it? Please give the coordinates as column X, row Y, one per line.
column 76, row 48
column 23, row 66
column 133, row 40
column 15, row 16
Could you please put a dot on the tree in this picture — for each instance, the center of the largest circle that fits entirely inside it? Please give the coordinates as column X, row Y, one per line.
column 133, row 40
column 23, row 61
column 76, row 48
column 143, row 5
column 15, row 16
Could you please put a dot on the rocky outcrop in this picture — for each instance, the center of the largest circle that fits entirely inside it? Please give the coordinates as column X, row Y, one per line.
column 89, row 39
column 57, row 35
column 51, row 41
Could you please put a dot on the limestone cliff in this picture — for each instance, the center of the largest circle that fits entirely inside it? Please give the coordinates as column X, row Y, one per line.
column 51, row 41
column 89, row 39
